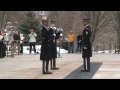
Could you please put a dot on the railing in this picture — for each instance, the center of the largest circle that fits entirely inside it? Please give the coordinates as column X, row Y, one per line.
column 9, row 48
column 100, row 48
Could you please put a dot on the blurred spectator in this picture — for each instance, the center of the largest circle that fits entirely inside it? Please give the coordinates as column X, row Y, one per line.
column 32, row 40
column 71, row 39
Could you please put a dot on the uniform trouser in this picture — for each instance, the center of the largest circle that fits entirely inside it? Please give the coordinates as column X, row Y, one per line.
column 53, row 63
column 45, row 66
column 86, row 63
column 32, row 44
column 71, row 47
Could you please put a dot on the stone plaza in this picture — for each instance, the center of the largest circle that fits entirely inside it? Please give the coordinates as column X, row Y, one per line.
column 103, row 66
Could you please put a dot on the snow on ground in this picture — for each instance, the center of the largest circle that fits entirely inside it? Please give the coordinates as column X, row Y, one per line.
column 106, row 51
column 38, row 47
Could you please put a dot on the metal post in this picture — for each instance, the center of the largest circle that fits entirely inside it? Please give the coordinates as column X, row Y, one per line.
column 103, row 48
column 115, row 47
column 109, row 48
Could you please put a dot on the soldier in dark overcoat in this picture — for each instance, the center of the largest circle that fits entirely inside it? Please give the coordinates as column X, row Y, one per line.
column 86, row 44
column 45, row 55
column 54, row 36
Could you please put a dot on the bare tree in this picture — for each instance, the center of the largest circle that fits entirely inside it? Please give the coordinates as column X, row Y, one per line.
column 72, row 20
column 3, row 19
column 10, row 16
column 100, row 20
column 116, row 25
column 68, row 20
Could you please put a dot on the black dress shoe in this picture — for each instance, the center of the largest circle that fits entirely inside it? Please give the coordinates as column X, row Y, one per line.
column 44, row 72
column 84, row 70
column 48, row 72
column 55, row 68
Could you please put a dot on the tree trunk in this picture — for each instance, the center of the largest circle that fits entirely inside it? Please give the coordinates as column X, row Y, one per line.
column 2, row 19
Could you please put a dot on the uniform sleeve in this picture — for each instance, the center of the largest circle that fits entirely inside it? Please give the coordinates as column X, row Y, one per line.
column 84, row 33
column 42, row 33
column 84, row 39
column 89, row 31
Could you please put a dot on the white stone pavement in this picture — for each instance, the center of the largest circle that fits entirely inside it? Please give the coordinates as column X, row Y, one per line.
column 103, row 66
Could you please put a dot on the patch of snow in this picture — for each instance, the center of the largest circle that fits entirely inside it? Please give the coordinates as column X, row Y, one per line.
column 38, row 47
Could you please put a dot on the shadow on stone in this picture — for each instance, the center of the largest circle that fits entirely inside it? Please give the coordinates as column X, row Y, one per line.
column 77, row 74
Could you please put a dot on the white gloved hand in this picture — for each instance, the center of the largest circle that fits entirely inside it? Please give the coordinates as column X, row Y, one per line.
column 86, row 32
column 61, row 34
column 54, row 35
column 79, row 41
column 85, row 47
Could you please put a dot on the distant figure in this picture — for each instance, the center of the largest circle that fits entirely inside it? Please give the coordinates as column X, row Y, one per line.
column 32, row 40
column 79, row 43
column 21, row 43
column 87, row 50
column 6, row 39
column 71, row 39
